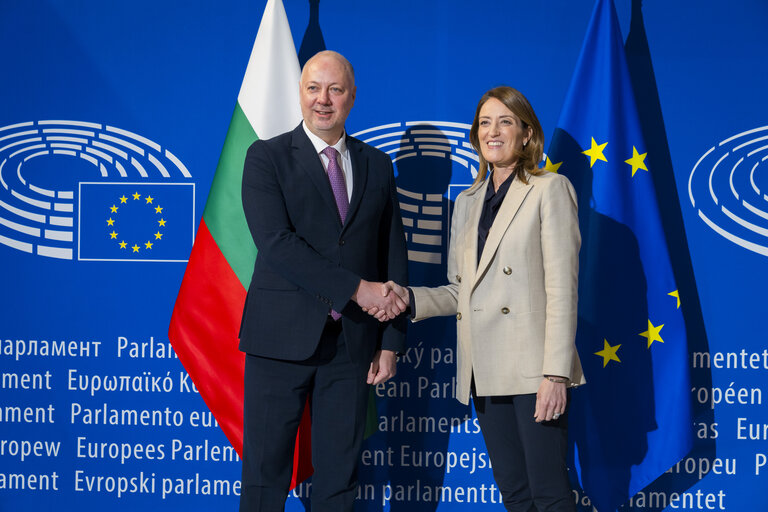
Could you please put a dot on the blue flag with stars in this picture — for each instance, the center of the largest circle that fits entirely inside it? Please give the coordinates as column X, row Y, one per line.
column 135, row 221
column 632, row 420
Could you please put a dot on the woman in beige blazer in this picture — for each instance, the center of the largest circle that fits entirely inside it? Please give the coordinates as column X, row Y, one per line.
column 512, row 272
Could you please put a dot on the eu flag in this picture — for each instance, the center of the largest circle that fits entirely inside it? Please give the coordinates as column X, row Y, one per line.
column 135, row 221
column 632, row 421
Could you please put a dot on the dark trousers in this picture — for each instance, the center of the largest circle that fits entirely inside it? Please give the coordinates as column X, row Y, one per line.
column 275, row 394
column 528, row 458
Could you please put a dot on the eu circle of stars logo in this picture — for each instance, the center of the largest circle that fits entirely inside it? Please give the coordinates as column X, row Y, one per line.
column 136, row 223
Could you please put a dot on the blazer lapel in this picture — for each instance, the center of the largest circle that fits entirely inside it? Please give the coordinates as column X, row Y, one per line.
column 470, row 235
column 359, row 176
column 306, row 158
column 509, row 207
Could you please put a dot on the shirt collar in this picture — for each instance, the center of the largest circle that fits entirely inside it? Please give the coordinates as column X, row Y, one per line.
column 502, row 191
column 320, row 144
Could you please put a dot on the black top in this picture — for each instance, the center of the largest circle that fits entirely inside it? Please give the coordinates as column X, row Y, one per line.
column 493, row 200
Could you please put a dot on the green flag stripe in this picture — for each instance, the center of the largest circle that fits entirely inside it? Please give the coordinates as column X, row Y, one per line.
column 223, row 212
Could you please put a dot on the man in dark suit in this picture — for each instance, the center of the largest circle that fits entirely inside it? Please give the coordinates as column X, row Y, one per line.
column 323, row 212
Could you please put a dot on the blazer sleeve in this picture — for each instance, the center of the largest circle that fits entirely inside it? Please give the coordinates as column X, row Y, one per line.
column 276, row 241
column 560, row 242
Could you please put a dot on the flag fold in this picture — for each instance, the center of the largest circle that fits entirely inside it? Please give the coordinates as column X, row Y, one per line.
column 632, row 421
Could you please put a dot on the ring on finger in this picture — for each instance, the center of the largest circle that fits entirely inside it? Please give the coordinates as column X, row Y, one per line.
column 556, row 415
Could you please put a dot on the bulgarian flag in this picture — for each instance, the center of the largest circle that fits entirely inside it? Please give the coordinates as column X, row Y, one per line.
column 206, row 317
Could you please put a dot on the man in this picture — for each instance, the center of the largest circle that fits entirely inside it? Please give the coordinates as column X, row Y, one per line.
column 323, row 213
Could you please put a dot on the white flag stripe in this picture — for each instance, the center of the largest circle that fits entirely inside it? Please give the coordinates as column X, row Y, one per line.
column 269, row 95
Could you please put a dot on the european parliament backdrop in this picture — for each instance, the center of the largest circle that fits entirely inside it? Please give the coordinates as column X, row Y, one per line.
column 113, row 117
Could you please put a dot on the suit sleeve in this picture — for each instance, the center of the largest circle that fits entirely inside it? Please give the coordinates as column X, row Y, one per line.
column 393, row 337
column 560, row 242
column 276, row 240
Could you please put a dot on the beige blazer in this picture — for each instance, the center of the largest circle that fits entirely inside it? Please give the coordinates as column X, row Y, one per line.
column 515, row 309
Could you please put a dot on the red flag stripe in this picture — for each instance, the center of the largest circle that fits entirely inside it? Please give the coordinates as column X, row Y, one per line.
column 204, row 333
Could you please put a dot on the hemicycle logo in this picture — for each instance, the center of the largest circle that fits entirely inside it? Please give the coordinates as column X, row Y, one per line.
column 435, row 162
column 728, row 187
column 77, row 190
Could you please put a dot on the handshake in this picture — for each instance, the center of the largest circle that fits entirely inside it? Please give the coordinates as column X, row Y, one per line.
column 381, row 300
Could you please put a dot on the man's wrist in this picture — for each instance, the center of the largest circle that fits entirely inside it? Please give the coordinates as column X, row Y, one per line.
column 357, row 290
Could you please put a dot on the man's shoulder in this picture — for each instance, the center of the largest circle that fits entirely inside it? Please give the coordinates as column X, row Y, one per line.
column 281, row 140
column 355, row 144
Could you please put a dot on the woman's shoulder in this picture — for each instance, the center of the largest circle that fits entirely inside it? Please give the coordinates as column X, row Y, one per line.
column 547, row 179
column 466, row 198
column 543, row 176
column 470, row 192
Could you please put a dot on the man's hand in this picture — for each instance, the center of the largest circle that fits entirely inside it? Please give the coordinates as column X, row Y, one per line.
column 400, row 291
column 383, row 367
column 370, row 296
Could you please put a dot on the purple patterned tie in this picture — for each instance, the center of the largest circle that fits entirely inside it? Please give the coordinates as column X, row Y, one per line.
column 339, row 186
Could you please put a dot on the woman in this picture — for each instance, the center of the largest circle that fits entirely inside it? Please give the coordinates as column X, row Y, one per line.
column 512, row 272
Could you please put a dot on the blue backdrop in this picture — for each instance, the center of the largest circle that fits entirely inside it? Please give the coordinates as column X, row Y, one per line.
column 96, row 411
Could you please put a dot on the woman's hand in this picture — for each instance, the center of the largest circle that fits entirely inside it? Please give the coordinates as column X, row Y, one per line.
column 400, row 292
column 550, row 401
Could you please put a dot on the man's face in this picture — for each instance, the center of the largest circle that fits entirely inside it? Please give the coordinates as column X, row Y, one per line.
column 327, row 95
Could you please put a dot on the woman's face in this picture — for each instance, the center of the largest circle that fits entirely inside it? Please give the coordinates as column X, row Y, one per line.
column 500, row 133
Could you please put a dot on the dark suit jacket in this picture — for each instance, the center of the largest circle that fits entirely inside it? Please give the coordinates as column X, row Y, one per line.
column 307, row 262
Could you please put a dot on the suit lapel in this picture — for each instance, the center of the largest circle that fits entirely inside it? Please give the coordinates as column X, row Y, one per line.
column 306, row 158
column 359, row 176
column 509, row 208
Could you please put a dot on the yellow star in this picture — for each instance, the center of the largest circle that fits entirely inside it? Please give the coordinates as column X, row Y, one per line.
column 114, row 209
column 113, row 234
column 161, row 222
column 123, row 244
column 676, row 294
column 158, row 235
column 637, row 161
column 653, row 333
column 149, row 199
column 549, row 166
column 595, row 153
column 148, row 244
column 110, row 222
column 135, row 248
column 158, row 209
column 136, row 196
column 608, row 353
column 123, row 199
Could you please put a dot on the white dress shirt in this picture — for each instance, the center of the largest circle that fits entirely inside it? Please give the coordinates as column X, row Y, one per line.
column 345, row 161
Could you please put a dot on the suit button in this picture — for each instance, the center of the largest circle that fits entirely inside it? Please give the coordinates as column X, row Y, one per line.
column 458, row 278
column 505, row 310
column 507, row 270
column 458, row 316
column 341, row 242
